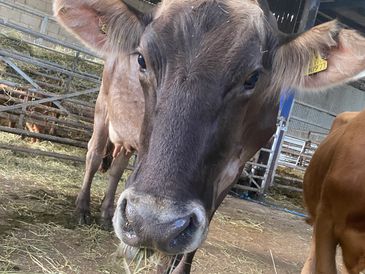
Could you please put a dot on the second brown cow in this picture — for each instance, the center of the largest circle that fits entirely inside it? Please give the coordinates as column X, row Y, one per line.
column 334, row 193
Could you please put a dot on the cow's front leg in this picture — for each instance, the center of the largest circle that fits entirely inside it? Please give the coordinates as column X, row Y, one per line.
column 309, row 265
column 184, row 266
column 94, row 157
column 325, row 243
column 117, row 168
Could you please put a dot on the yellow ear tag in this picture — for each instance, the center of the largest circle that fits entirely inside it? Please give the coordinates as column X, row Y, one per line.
column 318, row 64
column 102, row 26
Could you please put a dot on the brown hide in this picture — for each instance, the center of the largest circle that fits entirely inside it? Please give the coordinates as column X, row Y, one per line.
column 334, row 193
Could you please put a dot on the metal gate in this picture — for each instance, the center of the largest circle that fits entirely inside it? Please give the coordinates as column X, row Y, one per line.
column 54, row 94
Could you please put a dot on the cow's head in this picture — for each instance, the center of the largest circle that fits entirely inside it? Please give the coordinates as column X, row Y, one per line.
column 211, row 72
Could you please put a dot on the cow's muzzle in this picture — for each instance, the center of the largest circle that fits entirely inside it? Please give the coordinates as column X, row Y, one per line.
column 142, row 220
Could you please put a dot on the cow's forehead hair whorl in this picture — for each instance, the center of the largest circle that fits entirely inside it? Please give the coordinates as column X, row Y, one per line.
column 238, row 9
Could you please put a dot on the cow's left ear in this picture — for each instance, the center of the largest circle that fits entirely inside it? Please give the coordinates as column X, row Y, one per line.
column 105, row 26
column 340, row 55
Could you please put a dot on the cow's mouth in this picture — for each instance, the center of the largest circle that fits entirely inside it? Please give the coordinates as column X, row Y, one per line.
column 146, row 259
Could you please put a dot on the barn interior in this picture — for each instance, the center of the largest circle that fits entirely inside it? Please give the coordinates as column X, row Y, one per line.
column 39, row 180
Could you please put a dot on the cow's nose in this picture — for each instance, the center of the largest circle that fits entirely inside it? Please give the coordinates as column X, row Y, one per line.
column 182, row 230
column 166, row 232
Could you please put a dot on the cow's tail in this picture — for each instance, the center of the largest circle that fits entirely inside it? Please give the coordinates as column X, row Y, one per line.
column 108, row 157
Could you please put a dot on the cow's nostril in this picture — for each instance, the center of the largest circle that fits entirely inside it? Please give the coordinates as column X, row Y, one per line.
column 127, row 227
column 181, row 223
column 185, row 230
column 123, row 207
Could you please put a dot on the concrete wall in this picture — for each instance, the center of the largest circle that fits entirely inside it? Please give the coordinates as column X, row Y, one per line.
column 41, row 5
column 336, row 100
column 35, row 15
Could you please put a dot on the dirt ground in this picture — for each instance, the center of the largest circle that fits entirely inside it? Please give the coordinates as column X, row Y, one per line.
column 38, row 233
column 240, row 239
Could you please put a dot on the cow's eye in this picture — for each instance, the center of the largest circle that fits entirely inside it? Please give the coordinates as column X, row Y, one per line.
column 142, row 62
column 250, row 83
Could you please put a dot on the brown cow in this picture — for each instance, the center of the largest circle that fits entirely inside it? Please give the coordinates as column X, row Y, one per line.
column 334, row 193
column 119, row 107
column 210, row 74
column 342, row 119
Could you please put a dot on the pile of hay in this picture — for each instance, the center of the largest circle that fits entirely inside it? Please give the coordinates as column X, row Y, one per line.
column 39, row 232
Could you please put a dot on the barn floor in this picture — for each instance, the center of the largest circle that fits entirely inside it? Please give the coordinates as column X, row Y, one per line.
column 38, row 233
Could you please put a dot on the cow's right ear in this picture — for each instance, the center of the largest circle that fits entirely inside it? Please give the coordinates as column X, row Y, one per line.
column 104, row 26
column 325, row 56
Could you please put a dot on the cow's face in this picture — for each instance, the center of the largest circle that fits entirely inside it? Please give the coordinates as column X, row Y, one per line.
column 210, row 72
column 203, row 70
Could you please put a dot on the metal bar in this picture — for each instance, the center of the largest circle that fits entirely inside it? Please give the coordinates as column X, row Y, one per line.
column 267, row 149
column 292, row 188
column 74, row 65
column 65, row 123
column 20, row 72
column 51, row 138
column 292, row 166
column 273, row 158
column 46, row 37
column 29, row 79
column 60, row 52
column 246, row 188
column 46, row 100
column 289, row 178
column 256, row 164
column 43, row 85
column 44, row 122
column 12, row 84
column 96, row 77
column 252, row 178
column 44, row 25
column 41, row 107
column 249, row 175
column 294, row 153
column 302, row 139
column 54, row 67
column 42, row 153
column 66, row 54
column 24, row 109
column 43, row 28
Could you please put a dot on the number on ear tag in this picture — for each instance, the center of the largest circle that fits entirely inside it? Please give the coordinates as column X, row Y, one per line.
column 317, row 65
